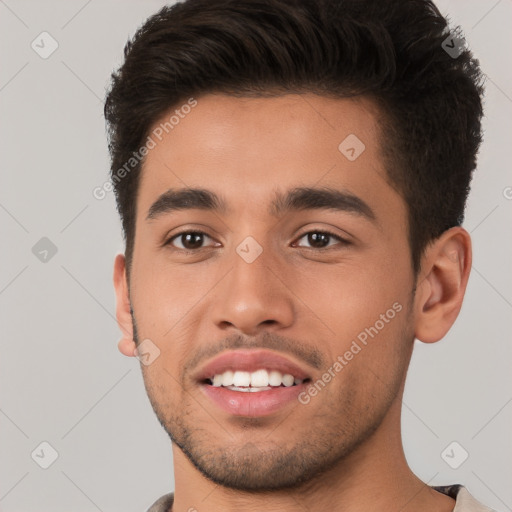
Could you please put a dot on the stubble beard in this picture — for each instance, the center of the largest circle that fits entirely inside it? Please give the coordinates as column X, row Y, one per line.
column 334, row 433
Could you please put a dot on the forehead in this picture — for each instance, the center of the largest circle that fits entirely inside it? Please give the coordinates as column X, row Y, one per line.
column 245, row 149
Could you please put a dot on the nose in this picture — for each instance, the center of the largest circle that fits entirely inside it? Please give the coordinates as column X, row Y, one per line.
column 254, row 296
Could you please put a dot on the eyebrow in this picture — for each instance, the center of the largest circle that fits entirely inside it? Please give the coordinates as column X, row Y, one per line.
column 296, row 199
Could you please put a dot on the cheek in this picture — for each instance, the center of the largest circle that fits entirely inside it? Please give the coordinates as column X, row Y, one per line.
column 164, row 294
column 362, row 313
column 164, row 391
column 352, row 296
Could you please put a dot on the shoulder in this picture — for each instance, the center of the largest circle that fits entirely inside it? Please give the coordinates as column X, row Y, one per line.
column 162, row 504
column 464, row 502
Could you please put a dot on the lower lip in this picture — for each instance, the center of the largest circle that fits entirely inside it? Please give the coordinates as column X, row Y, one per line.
column 253, row 404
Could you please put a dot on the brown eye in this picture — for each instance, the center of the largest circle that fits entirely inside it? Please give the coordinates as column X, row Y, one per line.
column 188, row 240
column 321, row 239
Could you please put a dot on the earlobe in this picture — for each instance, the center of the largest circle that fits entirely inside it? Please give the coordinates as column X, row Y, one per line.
column 123, row 307
column 442, row 284
column 127, row 347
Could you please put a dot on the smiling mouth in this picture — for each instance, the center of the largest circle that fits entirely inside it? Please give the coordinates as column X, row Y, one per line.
column 253, row 382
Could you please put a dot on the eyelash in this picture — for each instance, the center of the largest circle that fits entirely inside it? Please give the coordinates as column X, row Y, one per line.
column 342, row 241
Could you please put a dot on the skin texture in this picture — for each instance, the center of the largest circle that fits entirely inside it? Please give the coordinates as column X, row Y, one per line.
column 343, row 450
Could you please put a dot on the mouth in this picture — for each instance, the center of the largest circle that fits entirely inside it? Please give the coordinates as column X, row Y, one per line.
column 252, row 383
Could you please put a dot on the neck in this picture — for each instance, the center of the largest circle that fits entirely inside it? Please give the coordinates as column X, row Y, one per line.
column 375, row 476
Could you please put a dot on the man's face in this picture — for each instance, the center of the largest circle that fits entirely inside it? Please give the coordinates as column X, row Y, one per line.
column 260, row 286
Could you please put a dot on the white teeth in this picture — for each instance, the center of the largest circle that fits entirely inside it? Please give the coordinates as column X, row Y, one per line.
column 242, row 379
column 288, row 380
column 227, row 378
column 260, row 380
column 217, row 380
column 248, row 389
column 275, row 378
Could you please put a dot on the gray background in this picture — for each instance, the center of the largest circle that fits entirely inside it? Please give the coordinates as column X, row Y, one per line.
column 62, row 379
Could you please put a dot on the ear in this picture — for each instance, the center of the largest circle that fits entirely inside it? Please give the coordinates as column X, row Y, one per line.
column 123, row 307
column 442, row 283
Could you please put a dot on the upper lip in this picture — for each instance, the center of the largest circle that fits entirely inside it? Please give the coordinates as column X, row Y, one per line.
column 250, row 361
